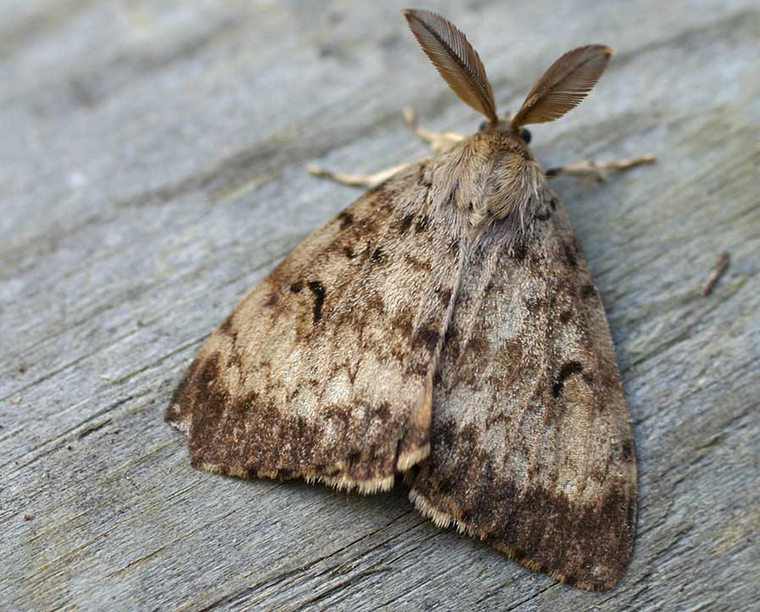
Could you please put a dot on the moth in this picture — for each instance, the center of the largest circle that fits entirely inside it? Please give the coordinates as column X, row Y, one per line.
column 444, row 329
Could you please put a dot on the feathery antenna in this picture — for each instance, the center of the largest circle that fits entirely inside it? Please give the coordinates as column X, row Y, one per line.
column 564, row 85
column 454, row 58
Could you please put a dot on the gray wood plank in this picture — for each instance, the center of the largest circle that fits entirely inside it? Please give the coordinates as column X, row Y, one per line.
column 152, row 169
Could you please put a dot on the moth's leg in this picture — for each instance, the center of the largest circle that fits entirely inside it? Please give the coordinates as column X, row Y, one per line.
column 356, row 180
column 599, row 170
column 438, row 141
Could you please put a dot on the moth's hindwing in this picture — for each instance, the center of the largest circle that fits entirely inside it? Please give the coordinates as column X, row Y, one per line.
column 324, row 370
column 532, row 448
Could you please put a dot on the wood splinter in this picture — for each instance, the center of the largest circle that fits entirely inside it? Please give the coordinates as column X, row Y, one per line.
column 721, row 264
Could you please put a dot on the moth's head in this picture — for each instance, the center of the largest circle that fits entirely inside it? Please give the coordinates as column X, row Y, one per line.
column 561, row 88
column 496, row 174
column 504, row 128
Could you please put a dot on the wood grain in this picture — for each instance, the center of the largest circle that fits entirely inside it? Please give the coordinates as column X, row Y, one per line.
column 152, row 169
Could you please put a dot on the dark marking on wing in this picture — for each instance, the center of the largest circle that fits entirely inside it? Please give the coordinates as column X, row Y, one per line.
column 423, row 179
column 319, row 298
column 428, row 336
column 346, row 220
column 207, row 376
column 423, row 224
column 626, row 450
column 570, row 368
column 588, row 291
column 405, row 223
column 535, row 304
column 445, row 294
column 519, row 251
column 226, row 325
column 571, row 256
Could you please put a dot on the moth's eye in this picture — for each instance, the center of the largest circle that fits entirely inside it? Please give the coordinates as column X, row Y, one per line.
column 483, row 126
column 525, row 135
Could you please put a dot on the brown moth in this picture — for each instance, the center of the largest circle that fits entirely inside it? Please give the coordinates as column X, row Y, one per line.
column 446, row 327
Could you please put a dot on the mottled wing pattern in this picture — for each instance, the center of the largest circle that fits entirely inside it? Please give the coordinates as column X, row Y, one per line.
column 532, row 449
column 324, row 370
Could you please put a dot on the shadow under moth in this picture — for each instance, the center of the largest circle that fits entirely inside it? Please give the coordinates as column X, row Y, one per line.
column 444, row 328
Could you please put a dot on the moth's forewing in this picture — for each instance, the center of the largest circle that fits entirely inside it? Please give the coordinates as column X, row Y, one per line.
column 324, row 370
column 532, row 447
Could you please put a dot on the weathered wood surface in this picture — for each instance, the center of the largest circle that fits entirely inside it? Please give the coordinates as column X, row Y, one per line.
column 152, row 169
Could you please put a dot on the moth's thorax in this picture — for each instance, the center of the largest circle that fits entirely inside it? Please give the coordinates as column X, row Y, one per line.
column 488, row 176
